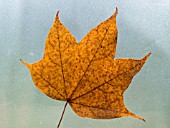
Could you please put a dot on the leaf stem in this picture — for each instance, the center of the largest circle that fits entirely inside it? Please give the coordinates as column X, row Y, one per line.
column 62, row 114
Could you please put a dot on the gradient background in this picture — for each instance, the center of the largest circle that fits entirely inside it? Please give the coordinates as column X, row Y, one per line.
column 143, row 27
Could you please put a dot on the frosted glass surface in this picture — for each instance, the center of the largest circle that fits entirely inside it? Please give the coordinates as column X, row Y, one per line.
column 143, row 27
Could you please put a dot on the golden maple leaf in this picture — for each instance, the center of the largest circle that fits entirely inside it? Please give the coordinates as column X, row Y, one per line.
column 84, row 74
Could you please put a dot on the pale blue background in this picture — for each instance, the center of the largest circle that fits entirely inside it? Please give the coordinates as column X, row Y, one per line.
column 143, row 27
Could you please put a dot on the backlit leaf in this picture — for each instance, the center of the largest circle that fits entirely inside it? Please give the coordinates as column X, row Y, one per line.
column 85, row 74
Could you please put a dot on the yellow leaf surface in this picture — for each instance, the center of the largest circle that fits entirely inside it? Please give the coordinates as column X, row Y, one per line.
column 84, row 74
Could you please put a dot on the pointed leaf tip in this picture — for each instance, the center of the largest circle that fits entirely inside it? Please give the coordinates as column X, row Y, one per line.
column 116, row 10
column 26, row 64
column 57, row 15
column 114, row 14
column 147, row 56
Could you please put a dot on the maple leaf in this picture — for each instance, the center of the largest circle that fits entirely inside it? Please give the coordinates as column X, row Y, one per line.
column 84, row 74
